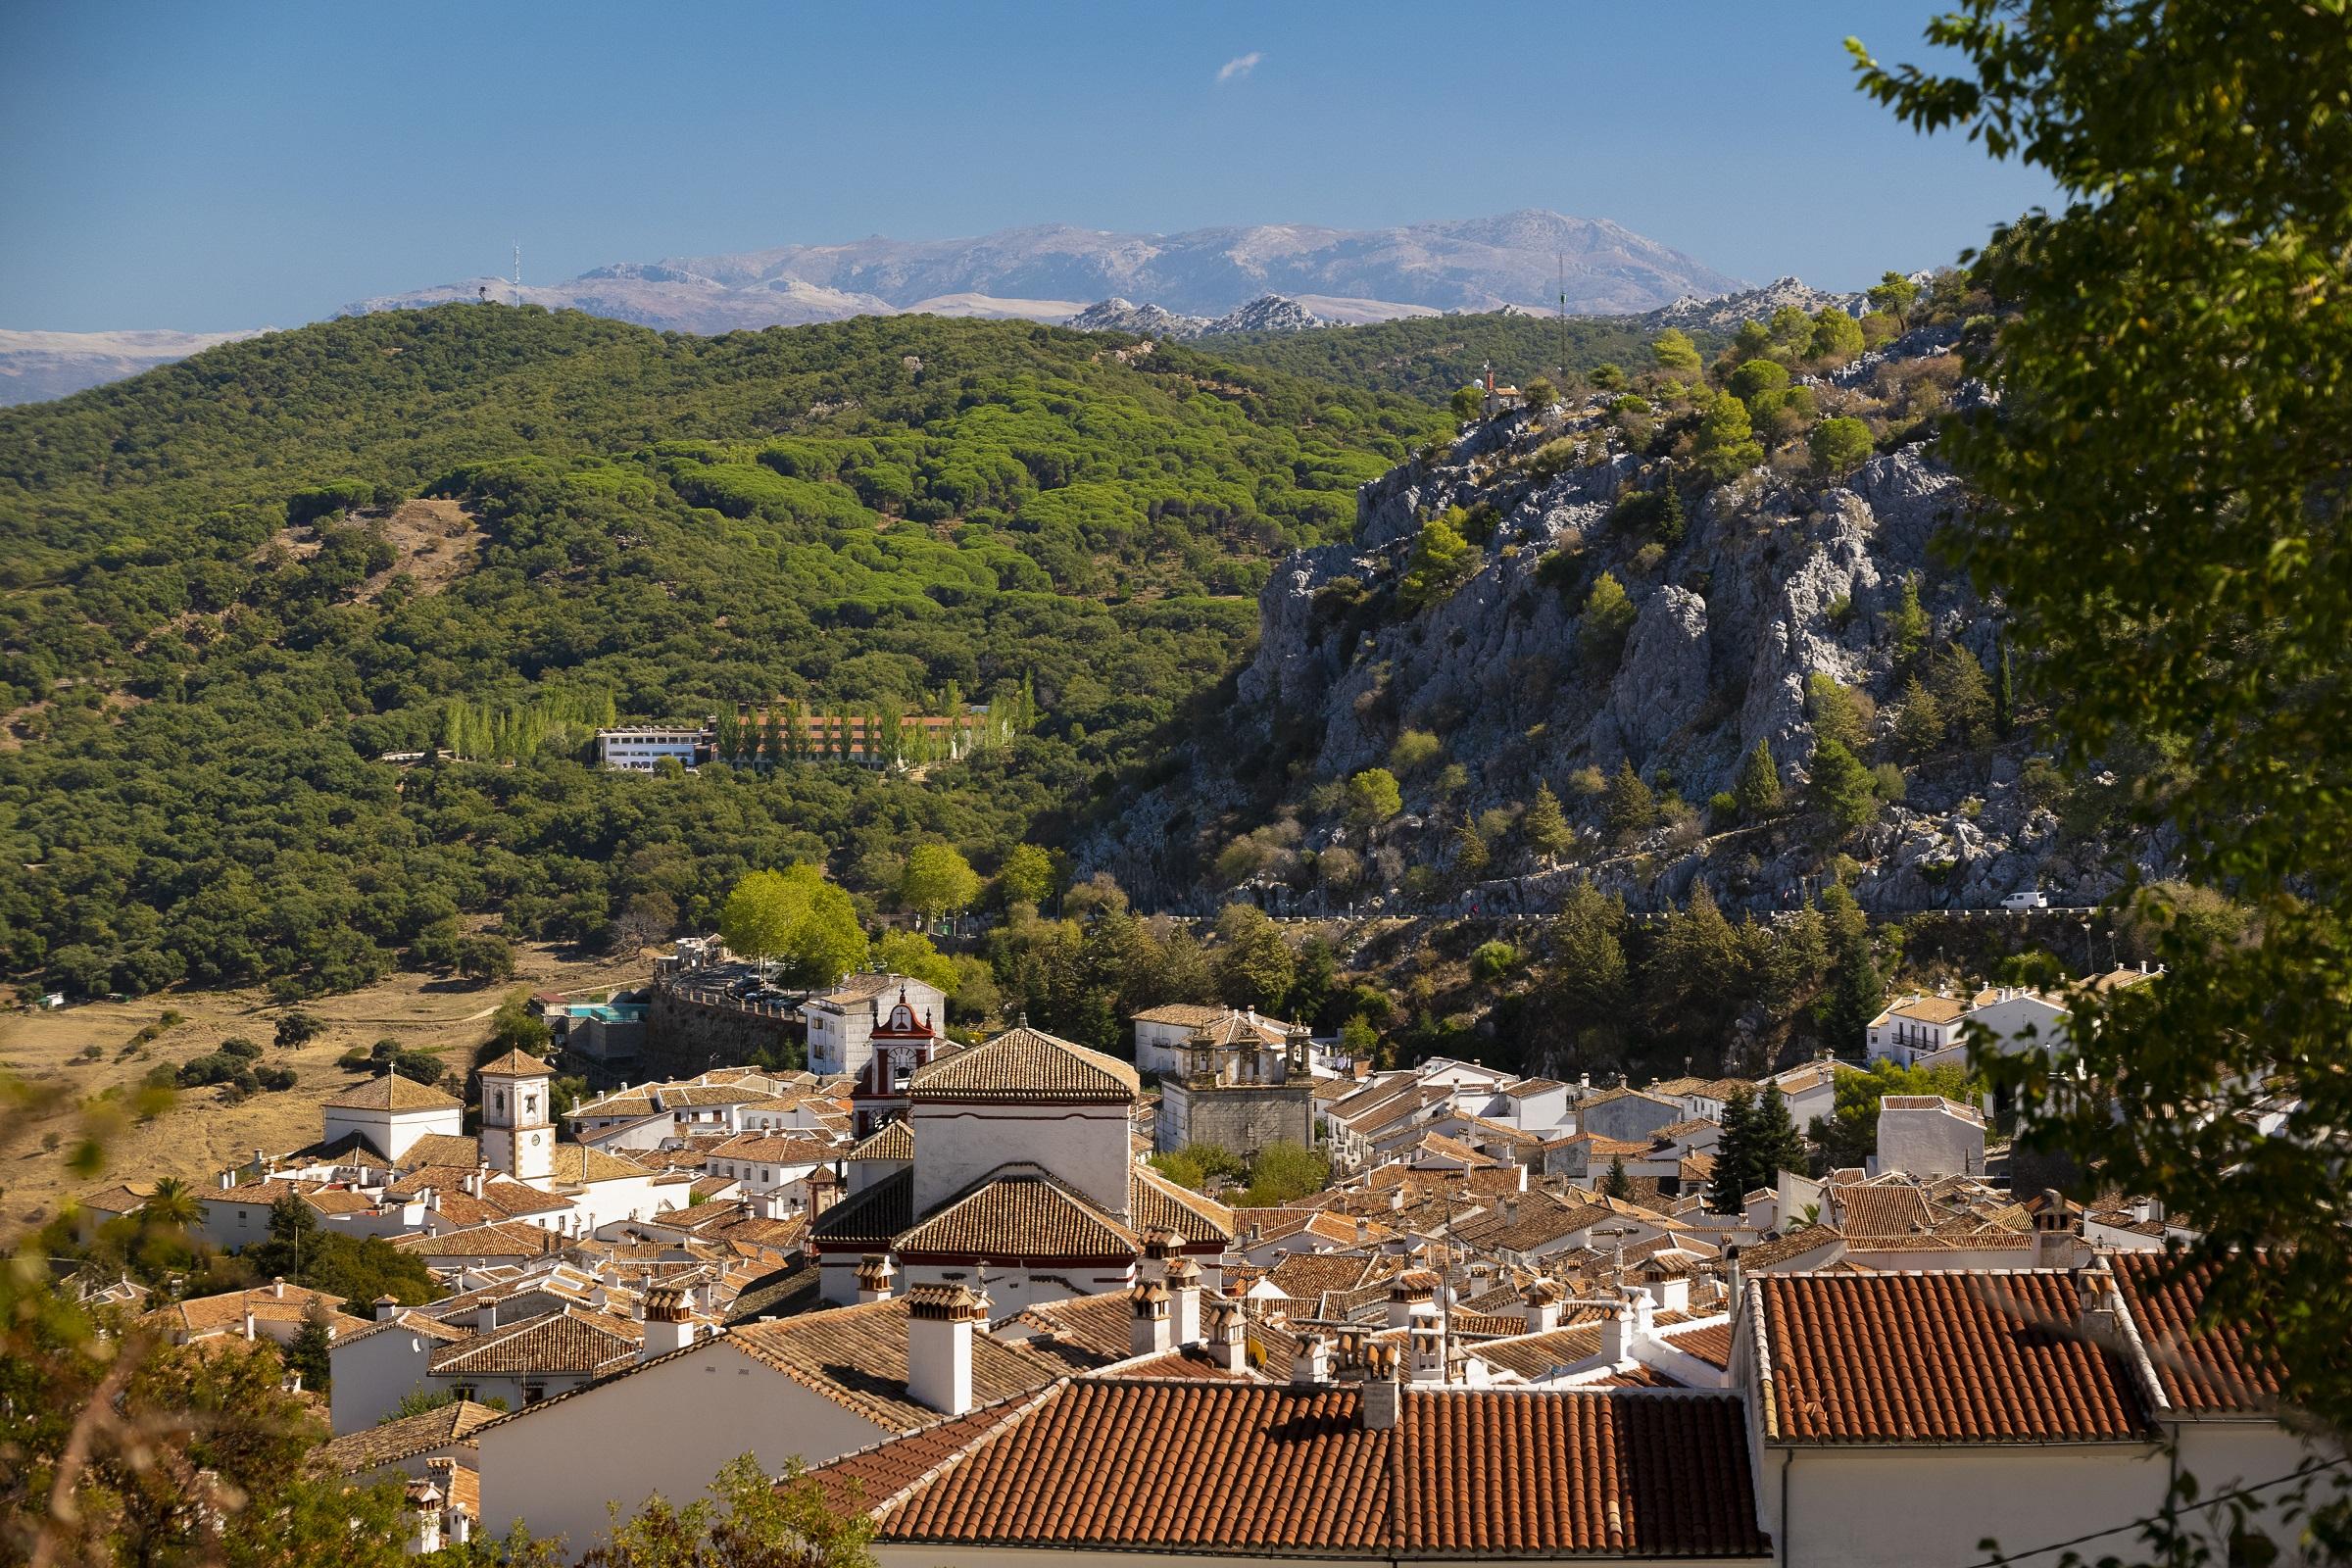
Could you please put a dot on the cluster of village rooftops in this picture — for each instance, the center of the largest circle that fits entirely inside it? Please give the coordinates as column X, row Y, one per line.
column 948, row 1279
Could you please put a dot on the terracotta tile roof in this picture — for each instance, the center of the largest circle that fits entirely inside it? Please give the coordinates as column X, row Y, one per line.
column 224, row 1314
column 504, row 1239
column 2213, row 1368
column 1084, row 1331
column 395, row 1440
column 393, row 1093
column 1029, row 1066
column 338, row 1200
column 1154, row 1202
column 1306, row 1276
column 870, row 1219
column 576, row 1166
column 1795, row 1244
column 892, row 1140
column 572, row 1341
column 857, row 1357
column 779, row 1148
column 1884, row 1211
column 1227, row 1467
column 515, row 1065
column 1928, row 1010
column 411, row 1321
column 1711, row 1342
column 514, row 1198
column 869, row 1477
column 1020, row 1211
column 1975, row 1357
column 443, row 1148
column 1182, row 1014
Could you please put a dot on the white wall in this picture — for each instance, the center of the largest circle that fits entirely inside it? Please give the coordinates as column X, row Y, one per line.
column 2011, row 1019
column 1929, row 1504
column 1085, row 1146
column 373, row 1375
column 666, row 1429
column 1929, row 1142
column 1156, row 1046
column 399, row 1129
column 229, row 1225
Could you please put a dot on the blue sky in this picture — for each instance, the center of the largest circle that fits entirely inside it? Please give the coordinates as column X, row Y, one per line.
column 227, row 165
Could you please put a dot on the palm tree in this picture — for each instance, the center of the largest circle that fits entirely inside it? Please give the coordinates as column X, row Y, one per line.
column 174, row 1202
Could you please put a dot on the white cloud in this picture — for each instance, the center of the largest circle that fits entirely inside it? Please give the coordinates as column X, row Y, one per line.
column 1238, row 65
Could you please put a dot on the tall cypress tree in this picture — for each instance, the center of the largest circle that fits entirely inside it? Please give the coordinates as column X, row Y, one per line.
column 1734, row 1152
column 2004, row 697
column 1776, row 1144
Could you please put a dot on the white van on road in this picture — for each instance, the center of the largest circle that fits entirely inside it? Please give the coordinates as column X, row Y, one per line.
column 2034, row 900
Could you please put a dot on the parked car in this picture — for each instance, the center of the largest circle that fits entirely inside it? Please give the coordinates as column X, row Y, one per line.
column 2033, row 899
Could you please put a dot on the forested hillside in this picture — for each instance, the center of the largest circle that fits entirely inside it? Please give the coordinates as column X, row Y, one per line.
column 228, row 585
column 1432, row 357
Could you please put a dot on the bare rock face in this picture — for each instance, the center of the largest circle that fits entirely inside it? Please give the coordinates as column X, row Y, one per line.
column 1661, row 687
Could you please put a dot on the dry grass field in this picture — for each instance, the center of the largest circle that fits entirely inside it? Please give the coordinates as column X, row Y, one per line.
column 199, row 1135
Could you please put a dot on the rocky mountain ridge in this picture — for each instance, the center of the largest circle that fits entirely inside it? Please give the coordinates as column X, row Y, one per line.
column 1780, row 576
column 1723, row 313
column 1047, row 272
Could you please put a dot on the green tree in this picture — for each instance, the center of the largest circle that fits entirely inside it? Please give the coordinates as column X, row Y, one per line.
column 1849, row 1135
column 1837, row 336
column 1759, row 383
column 938, row 881
column 1919, row 722
column 1725, row 444
column 1607, row 376
column 1468, row 403
column 1963, row 694
column 485, row 955
column 1615, row 1182
column 1632, row 808
column 1441, row 559
column 2164, row 517
column 1545, row 825
column 1608, row 616
column 1675, row 352
column 307, row 1352
column 1373, row 797
column 1671, row 524
column 1282, row 1172
column 910, row 954
column 1759, row 789
column 1840, row 789
column 173, row 1204
column 1360, row 1037
column 1734, row 1155
column 1856, row 989
column 1835, row 712
column 829, row 940
column 749, row 1520
column 1838, row 446
column 1893, row 294
column 762, row 911
column 2004, row 697
column 1028, row 875
column 1774, row 1144
column 296, row 1029
column 1255, row 967
column 1540, row 393
column 1908, row 628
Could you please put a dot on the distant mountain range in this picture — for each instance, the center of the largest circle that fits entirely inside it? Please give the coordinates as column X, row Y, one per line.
column 1050, row 274
column 36, row 367
column 1266, row 277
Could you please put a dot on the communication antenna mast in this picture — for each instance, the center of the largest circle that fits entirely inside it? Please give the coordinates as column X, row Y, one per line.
column 1562, row 259
column 518, row 264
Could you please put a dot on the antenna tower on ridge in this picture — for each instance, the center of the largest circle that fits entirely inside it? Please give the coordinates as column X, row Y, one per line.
column 1562, row 259
column 518, row 264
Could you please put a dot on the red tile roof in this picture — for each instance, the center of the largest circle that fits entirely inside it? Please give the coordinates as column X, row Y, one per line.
column 1243, row 1468
column 1976, row 1357
column 2213, row 1368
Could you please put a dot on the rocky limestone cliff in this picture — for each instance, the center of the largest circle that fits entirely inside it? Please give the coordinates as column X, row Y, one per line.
column 1115, row 315
column 1778, row 578
column 1723, row 313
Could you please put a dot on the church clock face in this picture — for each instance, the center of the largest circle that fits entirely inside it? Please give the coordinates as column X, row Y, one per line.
column 534, row 1140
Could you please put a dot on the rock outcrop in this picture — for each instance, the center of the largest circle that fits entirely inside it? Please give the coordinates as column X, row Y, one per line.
column 1115, row 315
column 1778, row 577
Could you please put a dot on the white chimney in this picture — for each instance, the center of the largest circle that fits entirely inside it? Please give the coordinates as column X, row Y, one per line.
column 277, row 1288
column 1228, row 1337
column 249, row 1325
column 1382, row 1398
column 939, row 1320
column 1429, row 1351
column 1184, row 1301
column 1148, row 1322
column 1312, row 1363
column 387, row 1308
column 1542, row 1309
column 873, row 1278
column 1626, row 1327
column 1412, row 1295
column 669, row 1324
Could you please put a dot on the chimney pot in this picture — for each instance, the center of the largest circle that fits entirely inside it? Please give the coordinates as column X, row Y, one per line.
column 940, row 1323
